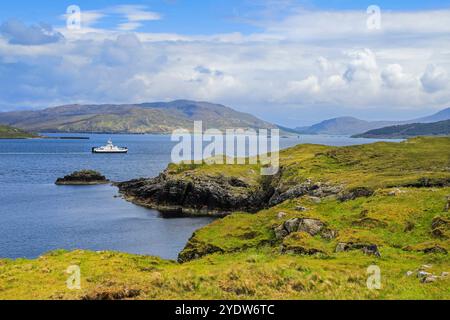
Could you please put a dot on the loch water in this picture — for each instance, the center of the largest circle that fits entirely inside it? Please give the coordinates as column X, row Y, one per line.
column 36, row 216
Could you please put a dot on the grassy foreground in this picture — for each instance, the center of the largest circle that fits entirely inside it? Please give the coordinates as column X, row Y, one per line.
column 240, row 257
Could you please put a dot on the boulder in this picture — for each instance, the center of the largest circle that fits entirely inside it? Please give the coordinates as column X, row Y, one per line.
column 368, row 249
column 312, row 227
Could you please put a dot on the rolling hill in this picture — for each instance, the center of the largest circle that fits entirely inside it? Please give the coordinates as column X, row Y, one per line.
column 354, row 126
column 159, row 117
column 7, row 132
column 343, row 126
column 440, row 128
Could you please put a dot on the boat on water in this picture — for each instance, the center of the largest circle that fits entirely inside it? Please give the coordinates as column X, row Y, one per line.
column 109, row 148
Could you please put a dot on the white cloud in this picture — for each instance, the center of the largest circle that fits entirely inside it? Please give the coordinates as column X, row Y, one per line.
column 136, row 13
column 17, row 33
column 434, row 79
column 315, row 59
column 129, row 26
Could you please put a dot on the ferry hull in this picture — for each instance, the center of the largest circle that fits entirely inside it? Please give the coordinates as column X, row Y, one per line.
column 104, row 151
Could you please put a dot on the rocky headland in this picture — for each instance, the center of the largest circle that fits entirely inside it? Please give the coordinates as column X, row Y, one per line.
column 195, row 194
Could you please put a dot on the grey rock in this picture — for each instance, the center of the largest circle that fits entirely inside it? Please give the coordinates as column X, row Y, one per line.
column 292, row 225
column 369, row 249
column 429, row 279
column 280, row 232
column 311, row 226
column 423, row 274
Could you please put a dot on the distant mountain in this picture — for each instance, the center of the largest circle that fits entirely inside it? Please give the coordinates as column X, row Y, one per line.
column 440, row 128
column 353, row 126
column 343, row 126
column 159, row 117
column 7, row 132
column 440, row 116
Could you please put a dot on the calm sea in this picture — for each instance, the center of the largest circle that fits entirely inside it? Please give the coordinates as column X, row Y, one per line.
column 37, row 216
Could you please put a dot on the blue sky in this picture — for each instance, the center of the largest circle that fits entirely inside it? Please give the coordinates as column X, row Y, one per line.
column 291, row 62
column 193, row 17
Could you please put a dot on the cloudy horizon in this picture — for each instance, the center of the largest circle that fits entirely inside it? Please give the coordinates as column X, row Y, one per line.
column 288, row 62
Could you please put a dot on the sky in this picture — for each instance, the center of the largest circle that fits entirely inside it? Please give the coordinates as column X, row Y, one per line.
column 289, row 62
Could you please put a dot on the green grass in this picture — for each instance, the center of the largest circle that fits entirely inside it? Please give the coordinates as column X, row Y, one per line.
column 251, row 274
column 239, row 257
column 7, row 132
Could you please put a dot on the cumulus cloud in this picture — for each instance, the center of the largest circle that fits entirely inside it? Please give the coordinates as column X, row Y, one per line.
column 335, row 62
column 434, row 79
column 18, row 33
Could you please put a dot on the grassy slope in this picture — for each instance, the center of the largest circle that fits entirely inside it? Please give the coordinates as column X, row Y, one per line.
column 7, row 132
column 441, row 128
column 137, row 118
column 251, row 265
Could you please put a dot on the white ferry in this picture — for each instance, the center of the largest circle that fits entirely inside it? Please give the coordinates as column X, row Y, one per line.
column 109, row 148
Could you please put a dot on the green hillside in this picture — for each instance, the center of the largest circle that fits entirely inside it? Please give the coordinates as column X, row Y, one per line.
column 7, row 132
column 385, row 205
column 136, row 118
column 440, row 128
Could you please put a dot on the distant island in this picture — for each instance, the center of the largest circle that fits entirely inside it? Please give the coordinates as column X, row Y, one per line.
column 441, row 128
column 354, row 126
column 7, row 132
column 145, row 118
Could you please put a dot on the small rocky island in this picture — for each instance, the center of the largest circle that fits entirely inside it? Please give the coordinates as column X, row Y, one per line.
column 83, row 178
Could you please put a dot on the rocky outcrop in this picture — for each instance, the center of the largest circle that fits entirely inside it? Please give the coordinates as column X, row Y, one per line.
column 368, row 249
column 312, row 227
column 425, row 276
column 427, row 248
column 84, row 177
column 191, row 193
column 196, row 195
column 313, row 189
